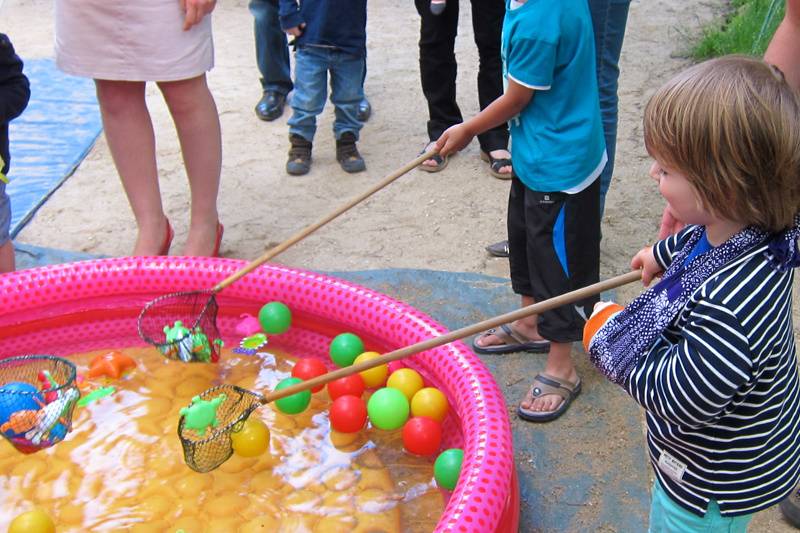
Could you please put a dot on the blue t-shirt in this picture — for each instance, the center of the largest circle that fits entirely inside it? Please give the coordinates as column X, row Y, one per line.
column 558, row 138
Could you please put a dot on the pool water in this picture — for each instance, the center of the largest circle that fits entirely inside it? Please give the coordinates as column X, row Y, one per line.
column 121, row 467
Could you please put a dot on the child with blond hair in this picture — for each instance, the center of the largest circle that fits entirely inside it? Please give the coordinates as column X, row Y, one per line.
column 709, row 350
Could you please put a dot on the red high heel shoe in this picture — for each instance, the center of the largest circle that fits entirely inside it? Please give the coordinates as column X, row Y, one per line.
column 220, row 231
column 167, row 240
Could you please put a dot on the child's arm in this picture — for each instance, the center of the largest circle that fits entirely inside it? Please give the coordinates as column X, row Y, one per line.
column 14, row 86
column 498, row 112
column 694, row 381
column 782, row 50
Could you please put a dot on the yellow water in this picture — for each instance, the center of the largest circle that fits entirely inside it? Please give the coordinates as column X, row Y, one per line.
column 121, row 467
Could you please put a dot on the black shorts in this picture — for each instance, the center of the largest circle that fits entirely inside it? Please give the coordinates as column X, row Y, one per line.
column 554, row 247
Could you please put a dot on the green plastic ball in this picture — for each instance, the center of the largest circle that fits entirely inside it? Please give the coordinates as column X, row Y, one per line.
column 295, row 403
column 388, row 409
column 344, row 349
column 275, row 318
column 447, row 468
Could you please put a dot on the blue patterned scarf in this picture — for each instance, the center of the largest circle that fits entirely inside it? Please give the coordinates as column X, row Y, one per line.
column 618, row 345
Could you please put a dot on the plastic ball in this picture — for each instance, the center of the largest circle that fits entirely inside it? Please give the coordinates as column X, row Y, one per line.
column 348, row 414
column 447, row 468
column 374, row 377
column 252, row 439
column 352, row 385
column 407, row 381
column 36, row 521
column 388, row 409
column 309, row 367
column 18, row 396
column 275, row 318
column 430, row 402
column 344, row 349
column 294, row 403
column 422, row 436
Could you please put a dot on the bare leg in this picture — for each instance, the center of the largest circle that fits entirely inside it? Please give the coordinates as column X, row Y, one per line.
column 196, row 119
column 7, row 257
column 130, row 137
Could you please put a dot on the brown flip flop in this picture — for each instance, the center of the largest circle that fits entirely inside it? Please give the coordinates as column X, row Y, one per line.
column 544, row 384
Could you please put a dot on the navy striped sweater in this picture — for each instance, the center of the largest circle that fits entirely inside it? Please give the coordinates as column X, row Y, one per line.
column 721, row 391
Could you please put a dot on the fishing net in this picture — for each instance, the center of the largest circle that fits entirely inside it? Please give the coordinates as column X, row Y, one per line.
column 206, row 424
column 37, row 396
column 183, row 326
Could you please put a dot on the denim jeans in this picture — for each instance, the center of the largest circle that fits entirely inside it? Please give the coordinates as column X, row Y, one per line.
column 272, row 52
column 609, row 18
column 311, row 67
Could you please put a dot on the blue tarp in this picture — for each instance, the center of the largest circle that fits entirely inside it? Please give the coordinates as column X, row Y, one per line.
column 50, row 139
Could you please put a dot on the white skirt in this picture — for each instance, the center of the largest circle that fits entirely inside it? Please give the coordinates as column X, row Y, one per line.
column 130, row 40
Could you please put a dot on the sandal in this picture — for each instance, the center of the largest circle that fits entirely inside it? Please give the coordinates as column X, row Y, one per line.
column 544, row 384
column 495, row 164
column 513, row 341
column 441, row 162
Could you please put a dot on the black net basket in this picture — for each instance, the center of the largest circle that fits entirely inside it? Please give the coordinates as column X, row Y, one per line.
column 38, row 394
column 207, row 447
column 183, row 326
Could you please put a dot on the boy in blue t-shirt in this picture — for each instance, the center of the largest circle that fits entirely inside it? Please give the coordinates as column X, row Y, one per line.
column 552, row 106
column 329, row 37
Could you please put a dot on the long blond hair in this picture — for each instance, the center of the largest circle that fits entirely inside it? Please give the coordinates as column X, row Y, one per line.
column 732, row 126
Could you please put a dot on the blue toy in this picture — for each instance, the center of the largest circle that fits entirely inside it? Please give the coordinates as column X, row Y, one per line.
column 18, row 396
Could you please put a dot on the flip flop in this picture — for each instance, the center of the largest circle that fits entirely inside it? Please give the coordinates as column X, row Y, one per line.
column 513, row 341
column 441, row 162
column 495, row 164
column 544, row 384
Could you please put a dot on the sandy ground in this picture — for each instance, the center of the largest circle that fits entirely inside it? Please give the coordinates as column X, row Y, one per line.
column 437, row 221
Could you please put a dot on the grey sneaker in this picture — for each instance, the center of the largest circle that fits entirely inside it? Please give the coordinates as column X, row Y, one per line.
column 347, row 153
column 299, row 162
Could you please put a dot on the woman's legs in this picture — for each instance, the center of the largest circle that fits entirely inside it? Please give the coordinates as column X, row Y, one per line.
column 130, row 137
column 196, row 119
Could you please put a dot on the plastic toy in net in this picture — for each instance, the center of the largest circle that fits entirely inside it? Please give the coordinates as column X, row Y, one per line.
column 183, row 326
column 206, row 425
column 37, row 396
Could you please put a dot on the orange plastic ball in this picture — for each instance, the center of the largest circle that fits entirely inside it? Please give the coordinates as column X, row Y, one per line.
column 374, row 377
column 405, row 380
column 430, row 402
column 252, row 439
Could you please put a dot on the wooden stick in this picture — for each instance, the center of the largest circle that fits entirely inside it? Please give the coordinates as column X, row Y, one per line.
column 302, row 234
column 533, row 309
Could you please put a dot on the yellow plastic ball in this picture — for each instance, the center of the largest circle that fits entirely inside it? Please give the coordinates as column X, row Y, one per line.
column 374, row 377
column 36, row 521
column 405, row 380
column 430, row 402
column 252, row 440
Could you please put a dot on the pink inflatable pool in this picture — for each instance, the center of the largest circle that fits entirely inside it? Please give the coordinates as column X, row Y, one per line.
column 94, row 304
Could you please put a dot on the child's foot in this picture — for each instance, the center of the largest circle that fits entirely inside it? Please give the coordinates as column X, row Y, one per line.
column 549, row 396
column 299, row 162
column 347, row 153
column 438, row 6
column 509, row 338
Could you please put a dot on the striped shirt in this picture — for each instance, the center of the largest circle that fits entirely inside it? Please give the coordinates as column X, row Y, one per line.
column 721, row 391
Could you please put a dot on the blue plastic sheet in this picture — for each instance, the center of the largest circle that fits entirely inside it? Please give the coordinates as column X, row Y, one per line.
column 50, row 139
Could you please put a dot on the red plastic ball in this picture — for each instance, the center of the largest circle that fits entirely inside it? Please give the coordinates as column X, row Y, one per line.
column 422, row 436
column 348, row 414
column 307, row 368
column 352, row 385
